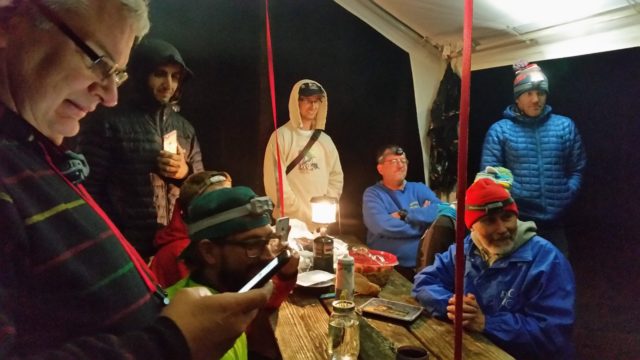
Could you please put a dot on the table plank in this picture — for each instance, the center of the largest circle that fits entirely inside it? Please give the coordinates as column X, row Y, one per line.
column 374, row 344
column 301, row 326
column 437, row 335
column 379, row 338
column 306, row 342
column 397, row 334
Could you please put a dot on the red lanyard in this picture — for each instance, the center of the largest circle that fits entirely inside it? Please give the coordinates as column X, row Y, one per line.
column 146, row 275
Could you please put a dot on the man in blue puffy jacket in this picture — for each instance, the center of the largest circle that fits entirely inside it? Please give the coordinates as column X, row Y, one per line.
column 543, row 150
column 519, row 290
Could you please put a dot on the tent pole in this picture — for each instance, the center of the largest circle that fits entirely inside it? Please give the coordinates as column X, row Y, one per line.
column 272, row 90
column 462, row 172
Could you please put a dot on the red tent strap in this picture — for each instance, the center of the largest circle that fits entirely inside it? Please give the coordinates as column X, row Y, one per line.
column 272, row 89
column 462, row 172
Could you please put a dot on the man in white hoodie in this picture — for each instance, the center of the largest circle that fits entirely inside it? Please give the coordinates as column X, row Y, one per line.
column 307, row 171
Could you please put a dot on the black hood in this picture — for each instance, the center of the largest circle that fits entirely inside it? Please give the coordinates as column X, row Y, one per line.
column 146, row 57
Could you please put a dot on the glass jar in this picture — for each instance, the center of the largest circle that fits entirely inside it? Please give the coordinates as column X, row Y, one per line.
column 323, row 254
column 344, row 332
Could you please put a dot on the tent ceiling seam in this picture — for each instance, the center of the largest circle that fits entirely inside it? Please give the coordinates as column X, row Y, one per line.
column 424, row 38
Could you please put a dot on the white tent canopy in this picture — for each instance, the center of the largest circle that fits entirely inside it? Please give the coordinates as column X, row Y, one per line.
column 430, row 31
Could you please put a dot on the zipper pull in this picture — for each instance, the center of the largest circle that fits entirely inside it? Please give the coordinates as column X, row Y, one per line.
column 161, row 295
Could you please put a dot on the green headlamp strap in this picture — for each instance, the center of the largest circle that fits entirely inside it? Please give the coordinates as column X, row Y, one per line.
column 257, row 206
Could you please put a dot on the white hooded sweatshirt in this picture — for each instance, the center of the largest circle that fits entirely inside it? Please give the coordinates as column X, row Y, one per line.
column 318, row 173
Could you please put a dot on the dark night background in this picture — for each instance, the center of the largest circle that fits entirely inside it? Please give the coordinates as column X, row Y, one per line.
column 371, row 102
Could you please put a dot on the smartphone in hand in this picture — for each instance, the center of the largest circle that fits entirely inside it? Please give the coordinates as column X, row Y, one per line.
column 282, row 230
column 170, row 142
column 267, row 272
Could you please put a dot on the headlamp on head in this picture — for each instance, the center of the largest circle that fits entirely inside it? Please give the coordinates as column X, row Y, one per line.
column 491, row 206
column 213, row 180
column 256, row 207
column 390, row 150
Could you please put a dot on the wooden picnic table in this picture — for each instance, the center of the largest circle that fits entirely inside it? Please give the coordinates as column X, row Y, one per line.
column 300, row 326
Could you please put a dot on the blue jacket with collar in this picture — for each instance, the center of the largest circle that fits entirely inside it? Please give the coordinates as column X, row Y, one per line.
column 527, row 297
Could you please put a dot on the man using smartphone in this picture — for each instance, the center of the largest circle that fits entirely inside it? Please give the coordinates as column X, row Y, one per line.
column 71, row 286
column 231, row 242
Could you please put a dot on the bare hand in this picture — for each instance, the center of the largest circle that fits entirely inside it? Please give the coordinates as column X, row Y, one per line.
column 173, row 165
column 395, row 215
column 472, row 316
column 212, row 323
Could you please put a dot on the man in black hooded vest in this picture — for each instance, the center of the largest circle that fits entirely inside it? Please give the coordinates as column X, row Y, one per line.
column 136, row 173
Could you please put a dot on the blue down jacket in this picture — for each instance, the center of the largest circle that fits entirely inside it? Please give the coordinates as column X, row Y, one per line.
column 545, row 155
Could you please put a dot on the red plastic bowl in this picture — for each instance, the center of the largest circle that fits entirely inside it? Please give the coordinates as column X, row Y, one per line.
column 376, row 265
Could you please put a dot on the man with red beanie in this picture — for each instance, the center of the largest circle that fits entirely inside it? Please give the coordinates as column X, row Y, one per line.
column 519, row 290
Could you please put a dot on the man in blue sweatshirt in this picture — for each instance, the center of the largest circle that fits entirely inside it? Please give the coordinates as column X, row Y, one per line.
column 397, row 212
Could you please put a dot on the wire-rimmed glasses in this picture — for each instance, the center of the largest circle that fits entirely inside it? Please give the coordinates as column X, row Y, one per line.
column 397, row 161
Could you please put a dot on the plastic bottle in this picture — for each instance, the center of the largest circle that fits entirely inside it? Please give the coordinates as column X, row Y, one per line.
column 345, row 278
column 344, row 332
column 323, row 254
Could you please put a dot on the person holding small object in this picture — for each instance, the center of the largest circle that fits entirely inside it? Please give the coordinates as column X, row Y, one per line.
column 141, row 151
column 71, row 285
column 231, row 242
column 519, row 290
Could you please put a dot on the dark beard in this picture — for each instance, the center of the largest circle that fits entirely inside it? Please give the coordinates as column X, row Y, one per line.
column 234, row 281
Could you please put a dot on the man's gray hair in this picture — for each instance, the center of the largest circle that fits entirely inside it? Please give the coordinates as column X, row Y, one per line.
column 136, row 10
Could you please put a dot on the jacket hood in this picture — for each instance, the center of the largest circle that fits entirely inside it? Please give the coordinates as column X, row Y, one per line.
column 294, row 110
column 525, row 231
column 175, row 231
column 513, row 113
column 146, row 57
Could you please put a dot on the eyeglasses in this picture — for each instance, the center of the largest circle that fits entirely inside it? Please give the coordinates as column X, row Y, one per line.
column 100, row 64
column 253, row 247
column 394, row 162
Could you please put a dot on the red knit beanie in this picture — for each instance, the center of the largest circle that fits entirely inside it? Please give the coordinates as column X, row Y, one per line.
column 484, row 196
